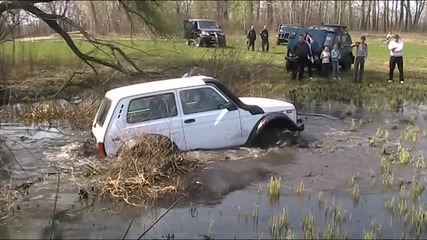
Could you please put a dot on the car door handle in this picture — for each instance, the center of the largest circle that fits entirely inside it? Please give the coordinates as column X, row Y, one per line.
column 191, row 120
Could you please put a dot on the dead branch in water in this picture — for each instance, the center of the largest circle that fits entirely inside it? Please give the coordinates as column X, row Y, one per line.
column 54, row 207
column 65, row 84
column 148, row 169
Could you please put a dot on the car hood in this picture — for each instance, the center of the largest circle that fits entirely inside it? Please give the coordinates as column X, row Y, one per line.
column 267, row 104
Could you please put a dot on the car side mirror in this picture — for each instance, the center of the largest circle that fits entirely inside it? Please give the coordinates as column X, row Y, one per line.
column 229, row 106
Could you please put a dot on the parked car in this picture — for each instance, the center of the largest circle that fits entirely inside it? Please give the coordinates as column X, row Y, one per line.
column 325, row 35
column 204, row 32
column 284, row 31
column 193, row 113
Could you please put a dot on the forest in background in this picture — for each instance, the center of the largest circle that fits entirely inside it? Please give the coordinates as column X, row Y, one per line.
column 110, row 17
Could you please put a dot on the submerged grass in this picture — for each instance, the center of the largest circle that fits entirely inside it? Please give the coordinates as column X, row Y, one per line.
column 274, row 187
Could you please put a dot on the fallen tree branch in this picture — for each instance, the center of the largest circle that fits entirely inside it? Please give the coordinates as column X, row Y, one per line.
column 65, row 84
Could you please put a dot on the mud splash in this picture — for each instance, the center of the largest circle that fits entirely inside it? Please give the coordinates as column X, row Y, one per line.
column 228, row 198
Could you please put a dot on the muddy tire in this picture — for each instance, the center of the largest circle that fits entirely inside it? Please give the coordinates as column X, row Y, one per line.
column 269, row 137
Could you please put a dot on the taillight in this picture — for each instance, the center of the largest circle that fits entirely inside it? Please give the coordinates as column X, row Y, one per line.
column 288, row 111
column 101, row 149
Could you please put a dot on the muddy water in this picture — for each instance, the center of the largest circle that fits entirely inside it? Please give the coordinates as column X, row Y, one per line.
column 324, row 158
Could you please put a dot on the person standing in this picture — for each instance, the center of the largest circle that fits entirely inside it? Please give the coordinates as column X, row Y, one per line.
column 301, row 52
column 325, row 59
column 396, row 57
column 335, row 59
column 309, row 40
column 361, row 55
column 251, row 37
column 194, row 71
column 264, row 39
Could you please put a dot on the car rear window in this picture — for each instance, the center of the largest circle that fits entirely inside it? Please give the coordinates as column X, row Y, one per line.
column 103, row 111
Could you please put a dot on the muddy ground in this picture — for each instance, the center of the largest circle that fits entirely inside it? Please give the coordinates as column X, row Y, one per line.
column 228, row 198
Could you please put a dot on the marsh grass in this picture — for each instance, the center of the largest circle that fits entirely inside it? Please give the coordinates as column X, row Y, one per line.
column 416, row 189
column 411, row 133
column 300, row 189
column 55, row 113
column 280, row 226
column 274, row 187
column 8, row 198
column 369, row 234
column 308, row 226
column 356, row 193
column 148, row 169
column 403, row 155
column 355, row 124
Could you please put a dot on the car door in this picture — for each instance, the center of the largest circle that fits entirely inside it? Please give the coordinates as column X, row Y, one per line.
column 188, row 29
column 155, row 114
column 207, row 122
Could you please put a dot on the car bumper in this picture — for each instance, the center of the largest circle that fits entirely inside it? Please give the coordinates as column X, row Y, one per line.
column 212, row 39
column 300, row 125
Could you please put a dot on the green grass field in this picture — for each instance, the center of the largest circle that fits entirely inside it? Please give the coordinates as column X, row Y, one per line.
column 175, row 51
column 46, row 64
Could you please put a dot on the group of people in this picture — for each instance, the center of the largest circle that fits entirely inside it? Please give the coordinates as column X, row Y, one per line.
column 251, row 37
column 395, row 46
column 303, row 57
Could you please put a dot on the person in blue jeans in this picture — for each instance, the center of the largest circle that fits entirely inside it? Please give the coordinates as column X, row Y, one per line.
column 335, row 59
column 361, row 55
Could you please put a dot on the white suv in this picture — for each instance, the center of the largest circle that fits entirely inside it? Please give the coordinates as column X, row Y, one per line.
column 193, row 113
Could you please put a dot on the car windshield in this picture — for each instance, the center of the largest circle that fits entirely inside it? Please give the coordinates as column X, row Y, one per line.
column 208, row 24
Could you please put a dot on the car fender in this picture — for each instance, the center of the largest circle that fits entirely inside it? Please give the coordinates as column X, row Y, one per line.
column 263, row 122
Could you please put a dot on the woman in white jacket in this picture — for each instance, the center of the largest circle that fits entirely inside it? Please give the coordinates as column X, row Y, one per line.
column 396, row 58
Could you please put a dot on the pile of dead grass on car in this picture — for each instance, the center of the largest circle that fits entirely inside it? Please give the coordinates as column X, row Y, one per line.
column 148, row 169
column 8, row 197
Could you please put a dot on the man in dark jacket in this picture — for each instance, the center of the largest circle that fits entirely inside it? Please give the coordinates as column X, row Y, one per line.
column 251, row 37
column 264, row 39
column 302, row 53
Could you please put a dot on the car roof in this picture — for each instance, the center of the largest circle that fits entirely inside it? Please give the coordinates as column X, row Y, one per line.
column 201, row 19
column 155, row 86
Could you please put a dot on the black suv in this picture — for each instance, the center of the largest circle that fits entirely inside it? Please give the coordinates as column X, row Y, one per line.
column 204, row 32
column 325, row 35
column 284, row 31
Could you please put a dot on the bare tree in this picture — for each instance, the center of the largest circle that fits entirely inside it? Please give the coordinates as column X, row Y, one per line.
column 144, row 11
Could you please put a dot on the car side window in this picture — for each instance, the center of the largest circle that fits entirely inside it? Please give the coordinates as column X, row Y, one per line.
column 346, row 39
column 151, row 108
column 201, row 100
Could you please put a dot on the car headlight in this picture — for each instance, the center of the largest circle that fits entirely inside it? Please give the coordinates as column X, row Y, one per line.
column 221, row 34
column 204, row 33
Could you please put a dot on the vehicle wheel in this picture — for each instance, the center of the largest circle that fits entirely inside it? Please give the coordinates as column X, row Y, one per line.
column 288, row 66
column 346, row 66
column 269, row 137
column 223, row 44
column 278, row 42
